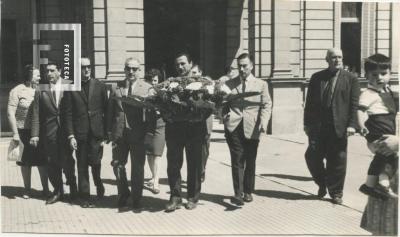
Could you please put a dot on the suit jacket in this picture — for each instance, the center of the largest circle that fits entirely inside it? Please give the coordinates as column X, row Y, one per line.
column 120, row 114
column 255, row 111
column 86, row 113
column 344, row 101
column 48, row 118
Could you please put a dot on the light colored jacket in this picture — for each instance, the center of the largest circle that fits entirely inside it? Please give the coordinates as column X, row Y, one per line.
column 255, row 111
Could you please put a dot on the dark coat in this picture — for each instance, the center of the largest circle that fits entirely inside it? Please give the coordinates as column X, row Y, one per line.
column 86, row 113
column 344, row 101
column 48, row 120
column 119, row 114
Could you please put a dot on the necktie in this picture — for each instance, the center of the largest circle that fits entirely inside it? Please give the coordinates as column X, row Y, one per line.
column 130, row 88
column 243, row 85
column 55, row 96
column 327, row 95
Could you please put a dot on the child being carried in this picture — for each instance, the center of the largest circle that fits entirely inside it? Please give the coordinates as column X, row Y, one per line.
column 378, row 106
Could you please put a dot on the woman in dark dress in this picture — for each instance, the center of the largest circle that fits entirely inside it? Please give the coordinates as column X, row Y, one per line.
column 155, row 137
column 19, row 111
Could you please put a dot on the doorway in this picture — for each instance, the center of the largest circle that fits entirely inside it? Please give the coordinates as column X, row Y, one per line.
column 193, row 26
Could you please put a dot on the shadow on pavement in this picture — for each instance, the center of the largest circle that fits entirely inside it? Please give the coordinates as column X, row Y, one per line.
column 220, row 200
column 285, row 176
column 285, row 195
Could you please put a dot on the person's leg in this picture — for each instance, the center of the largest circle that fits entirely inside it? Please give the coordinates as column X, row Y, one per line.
column 156, row 163
column 336, row 162
column 83, row 170
column 95, row 157
column 250, row 152
column 44, row 179
column 195, row 137
column 26, row 177
column 120, row 157
column 150, row 160
column 314, row 157
column 174, row 141
column 237, row 159
column 138, row 159
column 173, row 137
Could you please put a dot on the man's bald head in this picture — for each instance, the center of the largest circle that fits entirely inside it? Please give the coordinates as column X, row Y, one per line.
column 334, row 58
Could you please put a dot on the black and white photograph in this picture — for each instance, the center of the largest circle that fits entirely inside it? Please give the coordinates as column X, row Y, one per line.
column 199, row 117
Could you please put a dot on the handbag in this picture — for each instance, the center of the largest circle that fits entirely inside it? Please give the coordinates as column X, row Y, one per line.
column 15, row 151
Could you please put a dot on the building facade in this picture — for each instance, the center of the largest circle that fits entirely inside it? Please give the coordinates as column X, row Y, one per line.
column 288, row 39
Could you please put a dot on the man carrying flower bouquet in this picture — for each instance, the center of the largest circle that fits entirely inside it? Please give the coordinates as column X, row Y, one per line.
column 189, row 134
column 245, row 120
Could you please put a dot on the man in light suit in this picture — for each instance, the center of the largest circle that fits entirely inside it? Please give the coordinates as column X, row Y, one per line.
column 127, row 127
column 245, row 120
column 329, row 118
column 86, row 130
column 48, row 131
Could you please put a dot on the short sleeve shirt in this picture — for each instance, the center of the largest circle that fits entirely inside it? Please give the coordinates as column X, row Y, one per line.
column 22, row 97
column 372, row 102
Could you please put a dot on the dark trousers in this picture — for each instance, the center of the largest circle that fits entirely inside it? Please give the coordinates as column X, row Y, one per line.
column 129, row 143
column 89, row 153
column 325, row 144
column 191, row 137
column 243, row 160
column 60, row 159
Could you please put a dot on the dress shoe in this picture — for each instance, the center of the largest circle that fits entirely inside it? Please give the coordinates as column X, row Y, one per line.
column 53, row 199
column 87, row 204
column 123, row 200
column 173, row 204
column 337, row 200
column 237, row 200
column 100, row 191
column 136, row 205
column 190, row 205
column 321, row 192
column 247, row 197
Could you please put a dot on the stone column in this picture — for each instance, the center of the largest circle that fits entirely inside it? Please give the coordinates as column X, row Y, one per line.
column 281, row 39
column 395, row 38
column 115, row 33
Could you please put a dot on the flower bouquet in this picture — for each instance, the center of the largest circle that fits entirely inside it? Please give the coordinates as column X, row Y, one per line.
column 191, row 98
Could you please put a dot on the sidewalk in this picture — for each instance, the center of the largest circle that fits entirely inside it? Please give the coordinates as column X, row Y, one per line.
column 284, row 201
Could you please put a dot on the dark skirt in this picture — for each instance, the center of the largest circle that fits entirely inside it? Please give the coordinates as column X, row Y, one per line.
column 31, row 156
column 155, row 141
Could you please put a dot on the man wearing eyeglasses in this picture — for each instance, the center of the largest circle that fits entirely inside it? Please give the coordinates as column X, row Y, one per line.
column 127, row 127
column 86, row 130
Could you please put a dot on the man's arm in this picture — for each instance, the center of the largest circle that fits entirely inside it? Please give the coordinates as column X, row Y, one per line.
column 309, row 107
column 354, row 101
column 35, row 120
column 105, row 108
column 266, row 107
column 110, row 113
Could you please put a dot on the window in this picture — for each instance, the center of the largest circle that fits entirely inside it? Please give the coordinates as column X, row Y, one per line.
column 351, row 36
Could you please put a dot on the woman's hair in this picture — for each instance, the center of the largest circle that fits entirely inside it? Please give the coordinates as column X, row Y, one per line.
column 152, row 73
column 28, row 72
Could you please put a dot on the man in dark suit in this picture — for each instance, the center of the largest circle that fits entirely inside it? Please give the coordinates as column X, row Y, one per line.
column 182, row 134
column 127, row 127
column 48, row 128
column 86, row 130
column 329, row 118
column 245, row 120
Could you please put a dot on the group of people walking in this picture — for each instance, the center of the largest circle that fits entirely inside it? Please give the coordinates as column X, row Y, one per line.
column 53, row 123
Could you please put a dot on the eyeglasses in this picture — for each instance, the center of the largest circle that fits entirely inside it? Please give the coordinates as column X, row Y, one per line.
column 86, row 66
column 131, row 68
